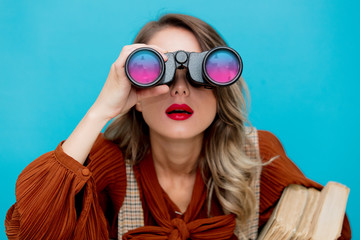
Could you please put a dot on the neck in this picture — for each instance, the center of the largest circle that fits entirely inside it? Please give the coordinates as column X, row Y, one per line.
column 176, row 156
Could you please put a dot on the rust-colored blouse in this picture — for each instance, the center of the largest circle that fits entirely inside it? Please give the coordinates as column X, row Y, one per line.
column 58, row 198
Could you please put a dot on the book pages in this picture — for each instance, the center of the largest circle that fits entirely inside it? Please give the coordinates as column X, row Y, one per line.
column 328, row 220
column 304, row 226
column 287, row 214
column 307, row 213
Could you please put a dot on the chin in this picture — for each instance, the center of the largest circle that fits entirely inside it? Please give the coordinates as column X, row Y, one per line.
column 177, row 134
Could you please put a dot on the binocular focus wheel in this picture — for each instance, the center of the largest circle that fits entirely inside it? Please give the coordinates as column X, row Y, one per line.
column 181, row 57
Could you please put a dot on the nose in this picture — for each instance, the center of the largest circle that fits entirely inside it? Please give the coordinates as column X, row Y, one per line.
column 180, row 85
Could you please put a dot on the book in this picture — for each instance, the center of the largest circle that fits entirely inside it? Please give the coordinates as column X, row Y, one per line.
column 307, row 213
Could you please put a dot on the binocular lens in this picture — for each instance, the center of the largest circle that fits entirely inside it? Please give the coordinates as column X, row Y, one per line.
column 145, row 67
column 222, row 66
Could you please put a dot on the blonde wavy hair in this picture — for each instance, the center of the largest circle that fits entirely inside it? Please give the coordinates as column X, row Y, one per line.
column 226, row 169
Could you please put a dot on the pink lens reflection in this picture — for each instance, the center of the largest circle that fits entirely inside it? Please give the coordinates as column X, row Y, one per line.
column 144, row 67
column 222, row 66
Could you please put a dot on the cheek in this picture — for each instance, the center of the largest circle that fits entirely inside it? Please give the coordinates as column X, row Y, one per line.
column 151, row 105
column 212, row 101
column 212, row 111
column 149, row 112
column 209, row 108
column 152, row 112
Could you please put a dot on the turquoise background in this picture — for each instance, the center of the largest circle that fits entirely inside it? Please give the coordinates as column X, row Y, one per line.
column 301, row 62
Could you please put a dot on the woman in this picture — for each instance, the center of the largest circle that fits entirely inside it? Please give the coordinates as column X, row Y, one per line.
column 152, row 176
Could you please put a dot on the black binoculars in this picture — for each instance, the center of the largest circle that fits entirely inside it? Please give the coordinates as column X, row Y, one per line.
column 220, row 66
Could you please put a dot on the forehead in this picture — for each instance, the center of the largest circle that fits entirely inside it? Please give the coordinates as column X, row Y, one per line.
column 175, row 38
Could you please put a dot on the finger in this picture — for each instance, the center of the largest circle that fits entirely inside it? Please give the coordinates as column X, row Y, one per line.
column 160, row 50
column 125, row 52
column 128, row 49
column 152, row 92
column 119, row 64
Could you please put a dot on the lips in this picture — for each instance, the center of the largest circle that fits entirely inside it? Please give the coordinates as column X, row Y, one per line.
column 179, row 112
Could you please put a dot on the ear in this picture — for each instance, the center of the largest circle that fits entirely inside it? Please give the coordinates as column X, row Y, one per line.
column 138, row 107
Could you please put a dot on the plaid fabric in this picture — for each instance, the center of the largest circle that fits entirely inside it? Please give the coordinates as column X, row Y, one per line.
column 252, row 150
column 131, row 214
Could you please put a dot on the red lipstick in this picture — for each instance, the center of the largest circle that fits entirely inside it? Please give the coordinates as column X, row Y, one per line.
column 179, row 112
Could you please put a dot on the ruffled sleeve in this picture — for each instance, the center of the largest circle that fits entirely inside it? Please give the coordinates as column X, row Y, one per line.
column 279, row 174
column 48, row 192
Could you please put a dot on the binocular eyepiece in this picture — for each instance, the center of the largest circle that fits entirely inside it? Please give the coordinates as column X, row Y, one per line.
column 221, row 66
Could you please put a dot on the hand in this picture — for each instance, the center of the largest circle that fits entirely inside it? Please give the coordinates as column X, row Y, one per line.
column 118, row 95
